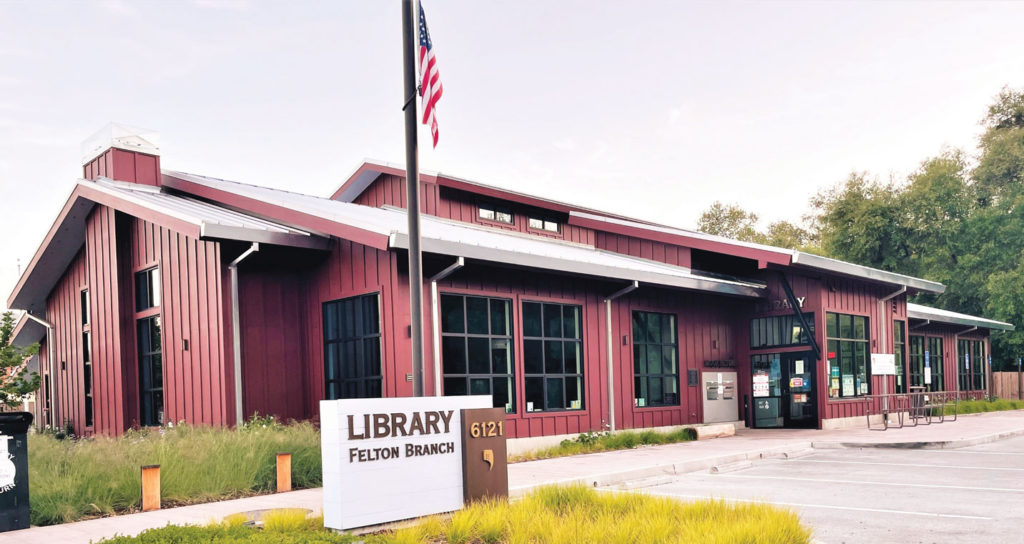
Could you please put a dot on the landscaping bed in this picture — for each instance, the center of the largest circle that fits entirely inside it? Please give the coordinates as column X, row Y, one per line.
column 553, row 515
column 978, row 406
column 72, row 479
column 597, row 442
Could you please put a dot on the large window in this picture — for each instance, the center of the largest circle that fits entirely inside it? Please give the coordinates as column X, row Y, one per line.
column 149, row 343
column 151, row 375
column 933, row 360
column 87, row 357
column 971, row 365
column 847, row 355
column 352, row 368
column 899, row 338
column 655, row 359
column 476, row 348
column 552, row 356
column 779, row 331
column 916, row 361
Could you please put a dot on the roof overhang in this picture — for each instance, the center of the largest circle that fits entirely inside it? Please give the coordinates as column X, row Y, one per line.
column 936, row 315
column 617, row 267
column 27, row 332
column 843, row 268
column 192, row 218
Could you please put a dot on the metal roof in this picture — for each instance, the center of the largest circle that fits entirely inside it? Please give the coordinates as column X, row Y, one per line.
column 454, row 238
column 205, row 220
column 917, row 311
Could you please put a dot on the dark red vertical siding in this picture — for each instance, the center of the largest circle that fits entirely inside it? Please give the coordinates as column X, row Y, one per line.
column 272, row 318
column 191, row 273
column 645, row 249
column 62, row 309
column 105, row 299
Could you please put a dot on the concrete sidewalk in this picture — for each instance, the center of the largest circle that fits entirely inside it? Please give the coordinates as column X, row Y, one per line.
column 600, row 469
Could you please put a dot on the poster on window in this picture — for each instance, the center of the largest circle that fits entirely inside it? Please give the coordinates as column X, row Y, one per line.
column 848, row 389
column 761, row 385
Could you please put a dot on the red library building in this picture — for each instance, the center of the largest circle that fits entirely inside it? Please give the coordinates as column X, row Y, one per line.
column 160, row 296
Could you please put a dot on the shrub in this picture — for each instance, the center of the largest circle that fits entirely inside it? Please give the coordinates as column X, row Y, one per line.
column 72, row 479
column 593, row 442
column 977, row 406
column 553, row 515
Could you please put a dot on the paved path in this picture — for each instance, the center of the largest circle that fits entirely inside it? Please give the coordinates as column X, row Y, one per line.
column 602, row 469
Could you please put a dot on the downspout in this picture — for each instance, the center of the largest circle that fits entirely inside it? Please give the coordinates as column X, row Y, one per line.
column 882, row 326
column 611, row 347
column 49, row 361
column 435, row 314
column 236, row 330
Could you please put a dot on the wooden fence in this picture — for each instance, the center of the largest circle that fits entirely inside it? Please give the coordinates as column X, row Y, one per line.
column 1006, row 385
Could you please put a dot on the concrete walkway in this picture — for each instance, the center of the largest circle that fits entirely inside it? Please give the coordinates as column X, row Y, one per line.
column 599, row 469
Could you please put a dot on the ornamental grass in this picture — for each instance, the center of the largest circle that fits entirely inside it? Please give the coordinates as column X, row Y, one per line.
column 594, row 442
column 550, row 515
column 72, row 479
column 978, row 406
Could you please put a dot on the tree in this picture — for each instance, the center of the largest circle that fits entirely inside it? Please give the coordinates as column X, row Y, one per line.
column 790, row 236
column 861, row 220
column 729, row 220
column 15, row 380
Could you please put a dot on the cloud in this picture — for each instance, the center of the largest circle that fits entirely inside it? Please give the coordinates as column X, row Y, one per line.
column 120, row 7
column 564, row 144
column 233, row 5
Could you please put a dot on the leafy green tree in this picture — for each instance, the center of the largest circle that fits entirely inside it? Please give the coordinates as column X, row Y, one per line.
column 861, row 220
column 15, row 380
column 729, row 220
column 790, row 236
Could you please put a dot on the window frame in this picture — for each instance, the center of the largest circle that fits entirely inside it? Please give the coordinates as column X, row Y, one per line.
column 150, row 313
column 762, row 325
column 544, row 222
column 512, row 406
column 496, row 210
column 648, row 376
column 838, row 343
column 544, row 339
column 899, row 351
column 362, row 381
column 87, row 374
column 936, row 363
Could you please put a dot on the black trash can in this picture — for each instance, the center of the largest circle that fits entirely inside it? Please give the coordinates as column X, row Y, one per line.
column 14, row 470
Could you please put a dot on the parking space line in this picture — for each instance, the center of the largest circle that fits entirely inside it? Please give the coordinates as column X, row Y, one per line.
column 968, row 452
column 916, row 465
column 801, row 505
column 859, row 482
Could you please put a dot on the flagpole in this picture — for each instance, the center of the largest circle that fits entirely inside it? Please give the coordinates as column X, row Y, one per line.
column 412, row 178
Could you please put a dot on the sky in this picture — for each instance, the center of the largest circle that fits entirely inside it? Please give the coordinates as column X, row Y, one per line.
column 651, row 109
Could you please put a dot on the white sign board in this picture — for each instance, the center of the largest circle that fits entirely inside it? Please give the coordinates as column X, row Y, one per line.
column 761, row 385
column 392, row 459
column 883, row 364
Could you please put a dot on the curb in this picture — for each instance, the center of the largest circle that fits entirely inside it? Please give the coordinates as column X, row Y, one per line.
column 922, row 445
column 618, row 477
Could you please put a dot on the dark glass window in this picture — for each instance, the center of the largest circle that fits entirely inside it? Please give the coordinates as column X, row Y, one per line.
column 476, row 348
column 978, row 362
column 655, row 360
column 971, row 365
column 847, row 355
column 147, row 289
column 537, row 223
column 934, row 358
column 899, row 337
column 916, row 361
column 552, row 356
column 151, row 371
column 352, row 366
column 779, row 331
column 85, row 306
column 492, row 212
column 86, row 357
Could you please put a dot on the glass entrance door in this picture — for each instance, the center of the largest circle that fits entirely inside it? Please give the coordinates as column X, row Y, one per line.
column 798, row 390
column 783, row 390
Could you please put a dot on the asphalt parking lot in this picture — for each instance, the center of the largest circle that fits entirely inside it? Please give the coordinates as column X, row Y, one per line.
column 878, row 495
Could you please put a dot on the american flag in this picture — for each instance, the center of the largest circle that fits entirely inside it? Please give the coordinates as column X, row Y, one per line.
column 430, row 78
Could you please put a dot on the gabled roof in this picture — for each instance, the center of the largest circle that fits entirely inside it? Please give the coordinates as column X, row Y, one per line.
column 606, row 222
column 936, row 315
column 183, row 214
column 454, row 238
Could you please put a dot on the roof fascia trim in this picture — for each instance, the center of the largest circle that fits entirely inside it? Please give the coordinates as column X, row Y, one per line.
column 277, row 213
column 960, row 319
column 443, row 247
column 817, row 262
